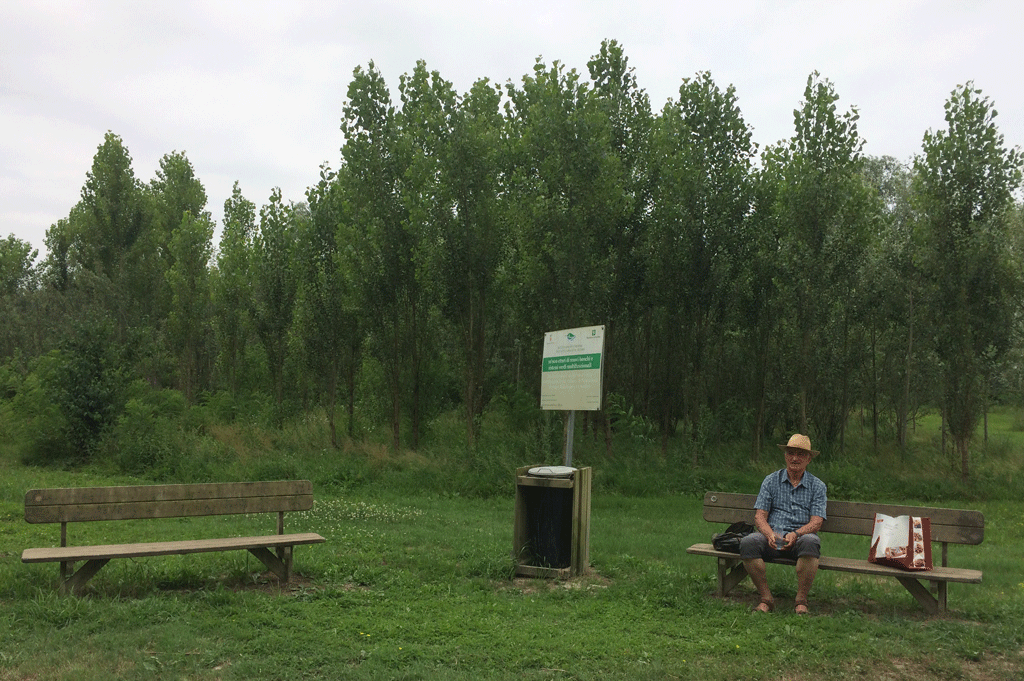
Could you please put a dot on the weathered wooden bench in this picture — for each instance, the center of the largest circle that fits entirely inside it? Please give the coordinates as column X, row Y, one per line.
column 166, row 501
column 948, row 526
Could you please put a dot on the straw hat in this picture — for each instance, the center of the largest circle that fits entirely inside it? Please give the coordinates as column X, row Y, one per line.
column 801, row 442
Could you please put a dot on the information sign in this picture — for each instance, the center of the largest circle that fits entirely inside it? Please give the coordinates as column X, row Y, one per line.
column 571, row 370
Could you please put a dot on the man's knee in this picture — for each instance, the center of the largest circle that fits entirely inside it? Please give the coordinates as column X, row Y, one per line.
column 808, row 545
column 754, row 545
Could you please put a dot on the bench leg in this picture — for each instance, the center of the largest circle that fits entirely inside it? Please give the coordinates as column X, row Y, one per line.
column 919, row 591
column 730, row 573
column 273, row 562
column 76, row 582
column 284, row 554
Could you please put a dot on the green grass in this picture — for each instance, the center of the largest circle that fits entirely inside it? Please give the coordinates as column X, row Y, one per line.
column 420, row 587
column 415, row 580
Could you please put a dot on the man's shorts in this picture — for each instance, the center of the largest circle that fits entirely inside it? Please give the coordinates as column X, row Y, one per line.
column 755, row 545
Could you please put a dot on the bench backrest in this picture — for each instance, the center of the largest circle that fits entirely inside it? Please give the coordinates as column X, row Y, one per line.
column 954, row 526
column 83, row 504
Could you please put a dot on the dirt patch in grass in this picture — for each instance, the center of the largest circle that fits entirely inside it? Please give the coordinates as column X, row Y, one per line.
column 270, row 584
column 588, row 581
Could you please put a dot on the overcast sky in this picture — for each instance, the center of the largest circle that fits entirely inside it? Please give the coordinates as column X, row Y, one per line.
column 253, row 91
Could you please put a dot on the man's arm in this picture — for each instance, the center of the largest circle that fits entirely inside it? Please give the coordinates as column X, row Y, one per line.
column 812, row 526
column 761, row 523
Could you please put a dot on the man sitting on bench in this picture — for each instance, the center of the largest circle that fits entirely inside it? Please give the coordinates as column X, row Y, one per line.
column 788, row 514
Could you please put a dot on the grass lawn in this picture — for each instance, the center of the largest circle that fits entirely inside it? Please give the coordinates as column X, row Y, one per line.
column 421, row 587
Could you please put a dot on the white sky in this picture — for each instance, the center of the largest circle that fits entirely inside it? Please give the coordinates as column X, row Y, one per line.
column 253, row 91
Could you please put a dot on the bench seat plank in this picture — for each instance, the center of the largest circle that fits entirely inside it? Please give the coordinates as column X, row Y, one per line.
column 165, row 548
column 864, row 567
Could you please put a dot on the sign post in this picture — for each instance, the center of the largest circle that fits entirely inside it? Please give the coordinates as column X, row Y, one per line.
column 571, row 374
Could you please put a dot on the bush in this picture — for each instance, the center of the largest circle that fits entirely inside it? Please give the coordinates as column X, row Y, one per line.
column 37, row 424
column 89, row 385
column 148, row 437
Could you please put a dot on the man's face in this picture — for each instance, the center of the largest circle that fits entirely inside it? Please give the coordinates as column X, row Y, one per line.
column 797, row 460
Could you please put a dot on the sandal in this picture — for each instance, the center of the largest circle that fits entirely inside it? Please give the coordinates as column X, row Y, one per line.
column 801, row 603
column 769, row 604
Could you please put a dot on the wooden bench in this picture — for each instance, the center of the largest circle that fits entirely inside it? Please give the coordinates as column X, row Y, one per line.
column 166, row 501
column 948, row 526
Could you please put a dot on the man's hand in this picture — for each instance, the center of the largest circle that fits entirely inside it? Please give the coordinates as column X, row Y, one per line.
column 790, row 540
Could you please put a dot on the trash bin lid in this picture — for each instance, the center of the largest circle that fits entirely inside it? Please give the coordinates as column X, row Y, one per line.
column 552, row 471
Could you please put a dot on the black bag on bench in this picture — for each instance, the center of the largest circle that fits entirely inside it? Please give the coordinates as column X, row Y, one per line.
column 730, row 539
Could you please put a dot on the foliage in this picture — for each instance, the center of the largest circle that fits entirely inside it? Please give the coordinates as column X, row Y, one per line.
column 966, row 179
column 702, row 153
column 326, row 324
column 79, row 396
column 746, row 293
column 16, row 258
column 381, row 244
column 823, row 211
column 229, row 286
column 274, row 285
column 188, row 321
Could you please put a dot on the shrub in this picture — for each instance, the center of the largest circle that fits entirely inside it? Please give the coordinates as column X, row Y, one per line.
column 148, row 437
column 37, row 423
column 88, row 386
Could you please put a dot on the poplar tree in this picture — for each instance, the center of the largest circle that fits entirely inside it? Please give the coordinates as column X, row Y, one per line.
column 231, row 286
column 379, row 248
column 966, row 179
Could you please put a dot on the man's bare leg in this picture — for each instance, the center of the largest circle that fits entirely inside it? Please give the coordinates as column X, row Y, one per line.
column 806, row 569
column 759, row 576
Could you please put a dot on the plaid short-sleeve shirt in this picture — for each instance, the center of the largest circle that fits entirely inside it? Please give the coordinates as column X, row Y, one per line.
column 788, row 507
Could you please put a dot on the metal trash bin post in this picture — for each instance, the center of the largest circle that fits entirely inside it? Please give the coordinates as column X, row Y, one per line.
column 551, row 533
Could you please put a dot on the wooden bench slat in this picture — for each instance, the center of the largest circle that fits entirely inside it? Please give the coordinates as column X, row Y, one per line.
column 176, row 492
column 166, row 548
column 864, row 567
column 165, row 509
column 87, row 504
column 937, row 574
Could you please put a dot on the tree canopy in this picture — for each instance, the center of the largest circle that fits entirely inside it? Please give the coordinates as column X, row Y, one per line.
column 746, row 292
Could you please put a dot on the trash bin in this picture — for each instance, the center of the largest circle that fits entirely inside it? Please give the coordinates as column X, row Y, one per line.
column 549, row 518
column 552, row 521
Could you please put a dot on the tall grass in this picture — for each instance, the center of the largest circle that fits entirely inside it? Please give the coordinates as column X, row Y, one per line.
column 210, row 449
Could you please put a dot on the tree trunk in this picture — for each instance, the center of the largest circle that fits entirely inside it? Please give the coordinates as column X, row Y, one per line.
column 606, row 422
column 351, row 380
column 475, row 340
column 905, row 408
column 415, row 379
column 396, row 385
column 963, row 447
column 332, row 399
column 874, row 389
column 762, row 396
column 805, row 376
